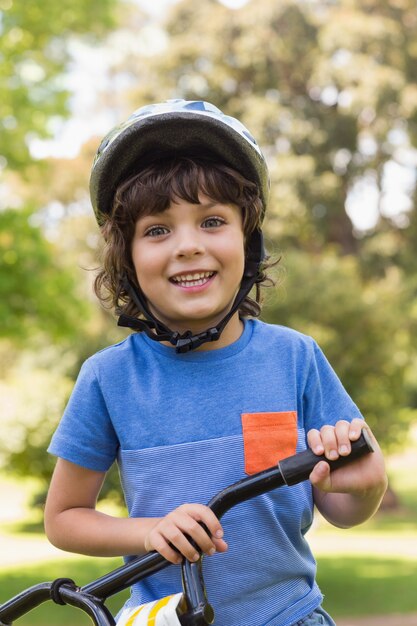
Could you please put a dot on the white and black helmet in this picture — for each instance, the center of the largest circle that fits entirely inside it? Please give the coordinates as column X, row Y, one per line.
column 178, row 128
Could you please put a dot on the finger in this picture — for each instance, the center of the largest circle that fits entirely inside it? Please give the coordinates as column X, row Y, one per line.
column 328, row 437
column 159, row 544
column 206, row 543
column 211, row 525
column 194, row 530
column 206, row 515
column 320, row 476
column 356, row 427
column 177, row 539
column 342, row 429
column 314, row 441
column 220, row 544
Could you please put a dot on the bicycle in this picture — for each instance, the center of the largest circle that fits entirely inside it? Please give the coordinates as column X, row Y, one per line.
column 191, row 606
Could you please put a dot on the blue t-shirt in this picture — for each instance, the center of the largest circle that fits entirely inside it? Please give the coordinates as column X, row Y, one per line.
column 184, row 426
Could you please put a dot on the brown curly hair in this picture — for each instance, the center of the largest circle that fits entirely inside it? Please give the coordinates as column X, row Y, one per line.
column 151, row 191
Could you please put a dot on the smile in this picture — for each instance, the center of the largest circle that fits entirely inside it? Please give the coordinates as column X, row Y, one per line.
column 192, row 280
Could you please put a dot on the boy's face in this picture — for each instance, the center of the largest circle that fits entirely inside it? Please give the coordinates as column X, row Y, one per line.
column 189, row 262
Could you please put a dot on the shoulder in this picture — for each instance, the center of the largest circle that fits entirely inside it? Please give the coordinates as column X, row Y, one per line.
column 119, row 356
column 283, row 336
column 115, row 350
column 285, row 347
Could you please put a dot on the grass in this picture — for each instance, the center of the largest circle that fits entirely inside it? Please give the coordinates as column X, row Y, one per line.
column 14, row 580
column 372, row 569
column 366, row 585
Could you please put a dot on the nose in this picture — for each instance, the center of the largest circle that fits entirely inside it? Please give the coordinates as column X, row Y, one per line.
column 189, row 243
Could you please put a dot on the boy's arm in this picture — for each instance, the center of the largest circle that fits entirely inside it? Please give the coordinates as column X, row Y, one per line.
column 352, row 494
column 72, row 522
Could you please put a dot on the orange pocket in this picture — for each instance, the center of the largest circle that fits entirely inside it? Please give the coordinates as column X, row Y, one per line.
column 268, row 438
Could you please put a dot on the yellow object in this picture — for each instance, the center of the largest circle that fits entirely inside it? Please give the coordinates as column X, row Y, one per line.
column 158, row 613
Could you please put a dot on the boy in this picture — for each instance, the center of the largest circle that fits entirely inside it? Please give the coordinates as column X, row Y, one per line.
column 203, row 392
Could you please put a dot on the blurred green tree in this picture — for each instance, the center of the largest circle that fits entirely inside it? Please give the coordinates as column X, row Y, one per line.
column 34, row 58
column 331, row 107
column 356, row 322
column 37, row 292
column 44, row 311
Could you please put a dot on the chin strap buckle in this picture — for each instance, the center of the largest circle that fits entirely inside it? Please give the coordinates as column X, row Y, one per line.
column 188, row 341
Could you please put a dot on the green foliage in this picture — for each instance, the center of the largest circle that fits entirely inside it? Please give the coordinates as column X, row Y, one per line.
column 37, row 293
column 34, row 55
column 36, row 397
column 34, row 390
column 363, row 328
column 330, row 106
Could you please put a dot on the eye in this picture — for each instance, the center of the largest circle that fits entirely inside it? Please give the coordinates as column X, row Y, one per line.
column 156, row 231
column 213, row 222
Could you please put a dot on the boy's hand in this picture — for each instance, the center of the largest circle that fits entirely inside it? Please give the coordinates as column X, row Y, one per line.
column 182, row 523
column 364, row 474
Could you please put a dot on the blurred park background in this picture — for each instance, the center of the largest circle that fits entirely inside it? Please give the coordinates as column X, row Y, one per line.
column 328, row 87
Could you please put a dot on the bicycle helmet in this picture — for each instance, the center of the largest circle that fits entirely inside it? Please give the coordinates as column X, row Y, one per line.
column 178, row 127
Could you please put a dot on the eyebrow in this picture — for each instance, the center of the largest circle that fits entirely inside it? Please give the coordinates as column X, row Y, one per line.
column 203, row 205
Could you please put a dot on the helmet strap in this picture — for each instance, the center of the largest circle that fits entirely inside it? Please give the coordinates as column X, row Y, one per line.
column 187, row 341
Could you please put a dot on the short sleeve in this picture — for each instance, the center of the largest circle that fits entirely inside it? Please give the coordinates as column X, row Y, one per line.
column 85, row 435
column 325, row 400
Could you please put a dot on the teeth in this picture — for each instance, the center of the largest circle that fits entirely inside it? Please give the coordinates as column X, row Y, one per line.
column 192, row 280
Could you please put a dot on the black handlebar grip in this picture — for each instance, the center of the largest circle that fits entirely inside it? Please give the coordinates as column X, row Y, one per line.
column 296, row 468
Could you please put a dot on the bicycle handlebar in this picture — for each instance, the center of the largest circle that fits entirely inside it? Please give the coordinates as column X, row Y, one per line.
column 297, row 468
column 90, row 598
